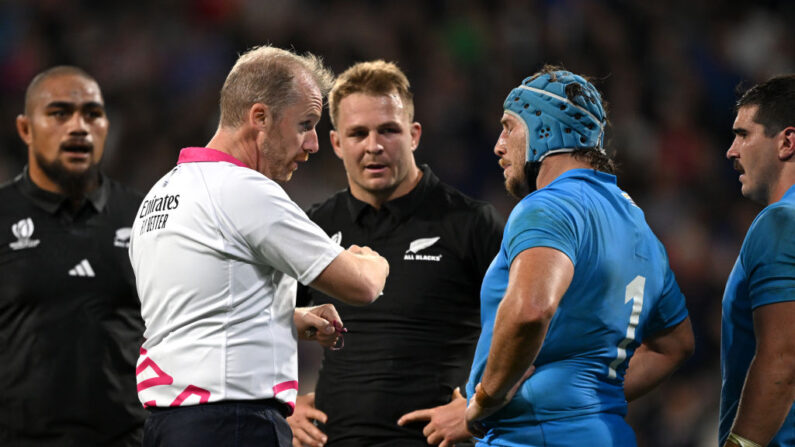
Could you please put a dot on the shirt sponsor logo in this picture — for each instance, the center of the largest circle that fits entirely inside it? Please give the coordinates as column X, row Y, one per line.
column 421, row 244
column 155, row 211
column 83, row 268
column 23, row 231
column 122, row 238
column 337, row 237
column 157, row 204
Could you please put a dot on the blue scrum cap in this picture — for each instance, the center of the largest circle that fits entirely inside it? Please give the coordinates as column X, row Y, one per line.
column 562, row 111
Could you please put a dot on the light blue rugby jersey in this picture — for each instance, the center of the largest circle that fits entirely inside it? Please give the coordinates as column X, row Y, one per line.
column 764, row 273
column 622, row 291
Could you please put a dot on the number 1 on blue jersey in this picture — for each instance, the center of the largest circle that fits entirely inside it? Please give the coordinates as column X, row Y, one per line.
column 634, row 291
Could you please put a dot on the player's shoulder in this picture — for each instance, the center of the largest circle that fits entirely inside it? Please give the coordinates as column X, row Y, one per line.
column 773, row 224
column 577, row 191
column 781, row 211
column 559, row 195
column 571, row 188
column 774, row 219
column 547, row 207
column 12, row 196
column 330, row 207
column 9, row 189
column 769, row 235
column 121, row 191
column 453, row 198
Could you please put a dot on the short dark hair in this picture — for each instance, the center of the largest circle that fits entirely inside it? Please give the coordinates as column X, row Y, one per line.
column 59, row 70
column 776, row 101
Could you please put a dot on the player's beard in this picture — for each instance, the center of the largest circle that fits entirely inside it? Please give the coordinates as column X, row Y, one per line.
column 75, row 185
column 524, row 183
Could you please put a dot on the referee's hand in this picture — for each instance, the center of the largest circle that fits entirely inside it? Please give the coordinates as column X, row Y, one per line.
column 319, row 323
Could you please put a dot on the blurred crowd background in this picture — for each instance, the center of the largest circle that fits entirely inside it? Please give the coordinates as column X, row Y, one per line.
column 669, row 70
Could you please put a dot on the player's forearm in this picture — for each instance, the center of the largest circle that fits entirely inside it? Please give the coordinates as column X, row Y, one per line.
column 647, row 369
column 767, row 397
column 658, row 357
column 518, row 335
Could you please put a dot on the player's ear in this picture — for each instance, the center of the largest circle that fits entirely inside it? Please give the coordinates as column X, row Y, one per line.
column 786, row 148
column 334, row 136
column 23, row 129
column 416, row 133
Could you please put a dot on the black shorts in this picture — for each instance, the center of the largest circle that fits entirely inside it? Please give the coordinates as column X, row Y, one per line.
column 217, row 424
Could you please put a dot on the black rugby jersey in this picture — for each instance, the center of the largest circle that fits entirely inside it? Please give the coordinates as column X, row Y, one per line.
column 413, row 346
column 70, row 324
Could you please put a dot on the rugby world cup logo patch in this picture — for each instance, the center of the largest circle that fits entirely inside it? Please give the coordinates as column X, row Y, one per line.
column 23, row 231
column 419, row 245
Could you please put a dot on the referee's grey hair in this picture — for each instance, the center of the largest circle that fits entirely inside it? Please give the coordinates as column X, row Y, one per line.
column 266, row 75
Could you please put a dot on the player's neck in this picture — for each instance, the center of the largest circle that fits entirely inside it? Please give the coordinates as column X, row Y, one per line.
column 779, row 189
column 784, row 177
column 377, row 198
column 556, row 165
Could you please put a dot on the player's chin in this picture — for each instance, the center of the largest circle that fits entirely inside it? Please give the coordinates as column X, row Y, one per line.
column 378, row 177
column 79, row 168
column 382, row 185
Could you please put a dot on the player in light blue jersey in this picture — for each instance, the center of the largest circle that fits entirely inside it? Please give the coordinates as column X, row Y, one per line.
column 758, row 328
column 580, row 289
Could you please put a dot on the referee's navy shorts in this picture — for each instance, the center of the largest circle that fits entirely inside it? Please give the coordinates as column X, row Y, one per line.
column 219, row 424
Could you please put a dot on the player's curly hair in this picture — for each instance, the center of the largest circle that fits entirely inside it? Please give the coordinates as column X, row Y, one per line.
column 598, row 160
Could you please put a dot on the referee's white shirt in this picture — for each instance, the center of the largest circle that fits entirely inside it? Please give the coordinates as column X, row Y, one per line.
column 217, row 248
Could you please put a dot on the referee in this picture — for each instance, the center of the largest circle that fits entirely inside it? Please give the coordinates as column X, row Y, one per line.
column 70, row 325
column 394, row 381
column 218, row 248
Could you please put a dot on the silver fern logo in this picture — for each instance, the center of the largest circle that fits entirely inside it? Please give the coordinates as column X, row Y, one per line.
column 122, row 238
column 419, row 245
column 337, row 238
column 23, row 231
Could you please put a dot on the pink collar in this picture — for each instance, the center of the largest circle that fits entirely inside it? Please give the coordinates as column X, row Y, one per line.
column 202, row 154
